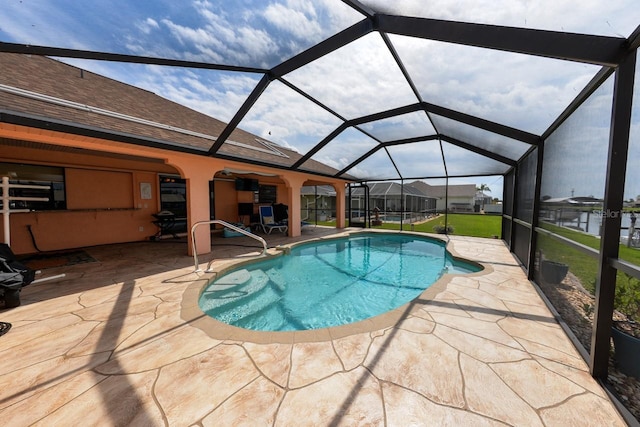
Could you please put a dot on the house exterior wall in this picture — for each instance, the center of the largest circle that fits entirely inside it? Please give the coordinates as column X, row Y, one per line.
column 452, row 201
column 227, row 198
column 85, row 223
column 104, row 204
column 59, row 230
column 493, row 208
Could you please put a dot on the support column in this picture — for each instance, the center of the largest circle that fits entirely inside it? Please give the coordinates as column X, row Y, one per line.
column 294, row 186
column 613, row 202
column 295, row 219
column 197, row 171
column 533, row 237
column 198, row 208
column 514, row 206
column 341, row 197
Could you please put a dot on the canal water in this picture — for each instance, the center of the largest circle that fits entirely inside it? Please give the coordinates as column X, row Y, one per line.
column 591, row 222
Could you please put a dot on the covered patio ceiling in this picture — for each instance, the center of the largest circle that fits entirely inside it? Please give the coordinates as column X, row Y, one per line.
column 377, row 90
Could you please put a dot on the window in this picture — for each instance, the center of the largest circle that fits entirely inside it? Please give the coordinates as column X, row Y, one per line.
column 173, row 195
column 267, row 194
column 50, row 178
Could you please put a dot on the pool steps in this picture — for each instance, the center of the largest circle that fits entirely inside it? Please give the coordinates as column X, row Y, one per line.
column 242, row 294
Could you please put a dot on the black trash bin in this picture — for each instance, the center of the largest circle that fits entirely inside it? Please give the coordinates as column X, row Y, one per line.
column 13, row 277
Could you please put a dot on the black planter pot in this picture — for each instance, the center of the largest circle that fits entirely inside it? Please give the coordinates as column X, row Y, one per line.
column 11, row 298
column 553, row 272
column 627, row 352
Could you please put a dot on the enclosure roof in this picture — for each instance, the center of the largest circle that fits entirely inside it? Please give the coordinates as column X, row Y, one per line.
column 381, row 189
column 361, row 90
column 442, row 191
column 47, row 91
column 318, row 190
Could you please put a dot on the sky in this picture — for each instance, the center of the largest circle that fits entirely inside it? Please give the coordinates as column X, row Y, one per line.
column 361, row 78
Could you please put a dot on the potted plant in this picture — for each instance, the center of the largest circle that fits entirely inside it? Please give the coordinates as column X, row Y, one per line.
column 626, row 328
column 553, row 272
column 441, row 229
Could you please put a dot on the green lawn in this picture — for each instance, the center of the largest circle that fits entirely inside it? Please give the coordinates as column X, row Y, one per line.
column 585, row 267
column 471, row 225
column 631, row 255
column 475, row 225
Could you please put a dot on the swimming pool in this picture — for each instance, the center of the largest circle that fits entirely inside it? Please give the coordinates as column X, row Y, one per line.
column 329, row 282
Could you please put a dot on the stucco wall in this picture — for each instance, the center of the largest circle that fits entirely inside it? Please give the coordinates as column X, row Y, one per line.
column 103, row 190
column 96, row 214
column 227, row 198
column 452, row 200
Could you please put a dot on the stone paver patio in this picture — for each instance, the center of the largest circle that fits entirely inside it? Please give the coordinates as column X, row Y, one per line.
column 121, row 342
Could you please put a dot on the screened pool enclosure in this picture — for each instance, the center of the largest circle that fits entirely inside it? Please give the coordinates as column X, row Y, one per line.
column 540, row 95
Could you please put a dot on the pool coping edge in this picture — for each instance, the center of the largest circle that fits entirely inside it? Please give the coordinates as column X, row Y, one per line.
column 191, row 313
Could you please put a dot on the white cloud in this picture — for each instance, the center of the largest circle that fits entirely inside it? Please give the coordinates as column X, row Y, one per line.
column 216, row 94
column 358, row 79
column 406, row 158
column 517, row 90
column 576, row 154
column 307, row 20
column 260, row 35
column 148, row 25
column 410, row 125
column 287, row 118
column 296, row 22
column 344, row 149
column 611, row 17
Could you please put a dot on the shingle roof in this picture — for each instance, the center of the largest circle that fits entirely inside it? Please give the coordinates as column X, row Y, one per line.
column 379, row 189
column 460, row 190
column 320, row 190
column 46, row 89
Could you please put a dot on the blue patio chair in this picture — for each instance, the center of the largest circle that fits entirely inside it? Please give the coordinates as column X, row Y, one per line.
column 281, row 216
column 267, row 221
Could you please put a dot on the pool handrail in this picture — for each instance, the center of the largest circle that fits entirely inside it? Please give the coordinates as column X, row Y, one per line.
column 225, row 224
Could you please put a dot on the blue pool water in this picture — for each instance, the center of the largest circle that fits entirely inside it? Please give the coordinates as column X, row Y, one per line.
column 329, row 283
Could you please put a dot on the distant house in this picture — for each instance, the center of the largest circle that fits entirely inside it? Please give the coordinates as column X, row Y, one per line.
column 390, row 197
column 317, row 202
column 459, row 198
column 482, row 199
column 565, row 209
